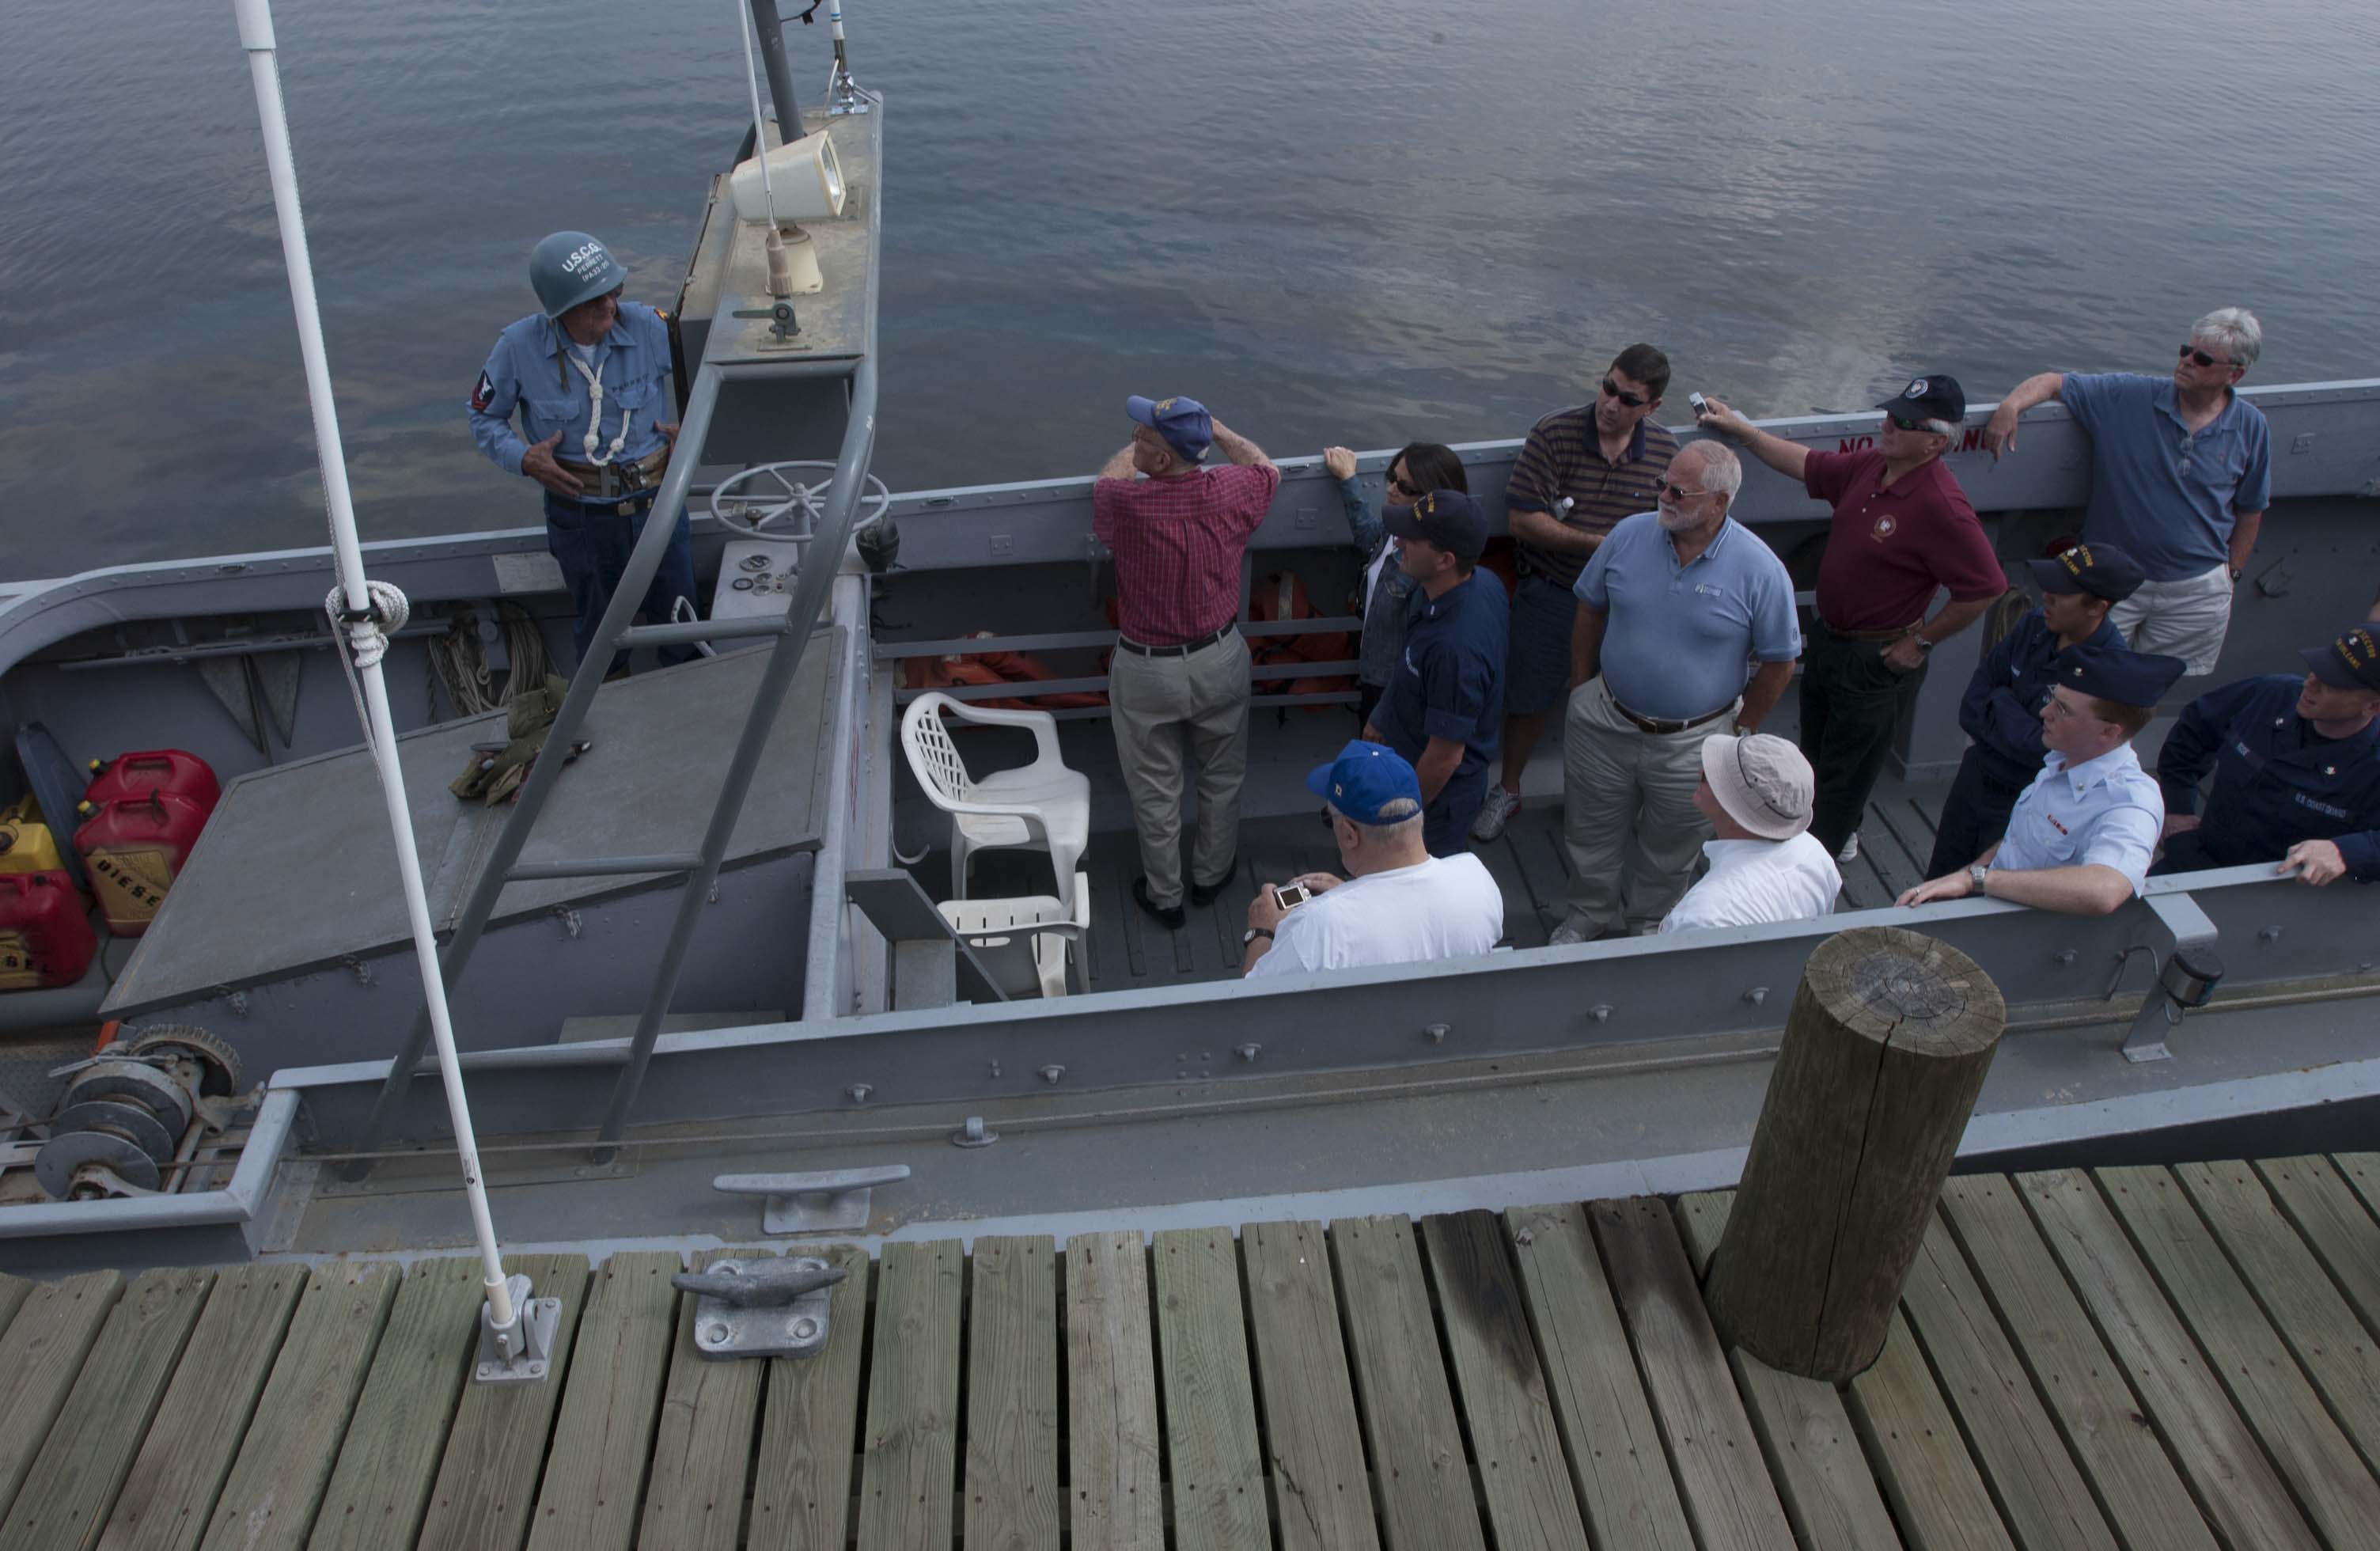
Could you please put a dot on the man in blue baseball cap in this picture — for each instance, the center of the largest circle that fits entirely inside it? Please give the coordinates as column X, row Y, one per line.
column 1397, row 904
column 2079, row 838
column 2002, row 710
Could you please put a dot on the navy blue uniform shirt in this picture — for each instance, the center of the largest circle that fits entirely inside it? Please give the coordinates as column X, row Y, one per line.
column 2277, row 780
column 2002, row 710
column 1450, row 680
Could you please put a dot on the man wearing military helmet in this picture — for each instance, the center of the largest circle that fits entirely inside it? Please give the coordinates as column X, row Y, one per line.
column 589, row 376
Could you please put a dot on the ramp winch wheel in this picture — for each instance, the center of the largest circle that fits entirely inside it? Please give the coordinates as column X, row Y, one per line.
column 69, row 1165
column 136, row 1082
column 217, row 1064
column 768, row 494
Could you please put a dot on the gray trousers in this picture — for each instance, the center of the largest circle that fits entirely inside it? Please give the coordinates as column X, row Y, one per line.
column 1158, row 703
column 1629, row 819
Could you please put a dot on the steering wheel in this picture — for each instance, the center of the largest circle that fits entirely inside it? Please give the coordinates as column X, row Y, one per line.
column 768, row 494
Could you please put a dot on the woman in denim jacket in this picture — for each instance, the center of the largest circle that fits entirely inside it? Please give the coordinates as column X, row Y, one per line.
column 1417, row 470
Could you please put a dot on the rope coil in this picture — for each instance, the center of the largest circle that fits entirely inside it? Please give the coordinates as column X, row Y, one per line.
column 361, row 644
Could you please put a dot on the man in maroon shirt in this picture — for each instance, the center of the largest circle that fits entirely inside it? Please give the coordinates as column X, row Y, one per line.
column 1181, row 669
column 1901, row 529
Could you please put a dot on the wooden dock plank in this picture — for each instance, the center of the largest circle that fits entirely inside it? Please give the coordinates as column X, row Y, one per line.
column 2042, row 1496
column 1012, row 1436
column 809, row 1424
column 1421, row 1481
column 1113, row 1446
column 197, row 1432
column 2102, row 1422
column 596, row 1474
column 1712, row 1446
column 1213, row 1465
column 910, row 1467
column 1502, row 1388
column 1316, row 1442
column 65, row 1499
column 702, row 1445
column 269, row 1500
column 1618, row 1466
column 2331, row 1216
column 1920, row 1458
column 390, row 1458
column 40, row 1355
column 2362, row 1172
column 14, row 1290
column 2235, row 1485
column 1807, row 1435
column 2243, row 1350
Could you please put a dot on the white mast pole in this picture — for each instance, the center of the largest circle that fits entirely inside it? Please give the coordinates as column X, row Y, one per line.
column 365, row 637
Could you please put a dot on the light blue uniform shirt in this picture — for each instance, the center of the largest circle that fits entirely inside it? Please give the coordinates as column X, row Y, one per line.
column 1679, row 637
column 527, row 372
column 2163, row 495
column 2106, row 811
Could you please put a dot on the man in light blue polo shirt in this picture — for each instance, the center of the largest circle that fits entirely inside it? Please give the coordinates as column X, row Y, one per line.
column 1675, row 606
column 2181, row 471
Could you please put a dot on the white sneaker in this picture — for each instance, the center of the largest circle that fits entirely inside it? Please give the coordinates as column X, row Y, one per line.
column 1850, row 853
column 1495, row 812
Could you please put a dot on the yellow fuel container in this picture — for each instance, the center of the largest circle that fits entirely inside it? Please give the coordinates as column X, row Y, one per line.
column 26, row 843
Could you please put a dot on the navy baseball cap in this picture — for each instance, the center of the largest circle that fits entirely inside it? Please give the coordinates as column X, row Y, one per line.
column 1364, row 779
column 1449, row 519
column 1929, row 398
column 2101, row 569
column 2353, row 661
column 1183, row 422
column 2120, row 674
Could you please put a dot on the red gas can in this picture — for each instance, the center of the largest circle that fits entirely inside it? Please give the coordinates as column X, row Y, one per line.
column 45, row 938
column 158, row 770
column 133, row 847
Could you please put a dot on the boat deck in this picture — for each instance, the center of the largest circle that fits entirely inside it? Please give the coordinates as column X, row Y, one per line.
column 2135, row 1357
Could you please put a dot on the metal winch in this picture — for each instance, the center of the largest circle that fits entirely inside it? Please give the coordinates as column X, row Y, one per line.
column 134, row 1109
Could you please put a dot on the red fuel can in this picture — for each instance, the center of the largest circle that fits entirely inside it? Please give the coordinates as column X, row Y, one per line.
column 170, row 771
column 133, row 848
column 45, row 938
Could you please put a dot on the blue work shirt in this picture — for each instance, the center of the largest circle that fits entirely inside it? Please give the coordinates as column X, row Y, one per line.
column 2277, row 780
column 527, row 372
column 2106, row 811
column 1450, row 683
column 2002, row 710
column 1678, row 637
column 2164, row 495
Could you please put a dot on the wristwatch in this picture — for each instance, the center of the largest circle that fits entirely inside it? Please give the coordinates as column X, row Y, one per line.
column 1253, row 933
column 1976, row 874
column 2237, row 572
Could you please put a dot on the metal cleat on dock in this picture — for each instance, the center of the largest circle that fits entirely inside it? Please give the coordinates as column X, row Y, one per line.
column 764, row 1307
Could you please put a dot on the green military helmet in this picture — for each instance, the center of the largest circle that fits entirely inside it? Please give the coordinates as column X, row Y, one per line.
column 571, row 267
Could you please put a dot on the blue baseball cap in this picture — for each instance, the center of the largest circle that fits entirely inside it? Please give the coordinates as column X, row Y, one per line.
column 1183, row 422
column 1364, row 779
column 2101, row 569
column 2118, row 673
column 1449, row 519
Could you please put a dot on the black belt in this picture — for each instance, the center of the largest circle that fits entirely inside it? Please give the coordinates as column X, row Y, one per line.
column 1865, row 635
column 616, row 482
column 1184, row 649
column 1661, row 726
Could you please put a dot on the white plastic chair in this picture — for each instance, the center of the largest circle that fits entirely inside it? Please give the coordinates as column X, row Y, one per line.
column 1044, row 805
column 1024, row 944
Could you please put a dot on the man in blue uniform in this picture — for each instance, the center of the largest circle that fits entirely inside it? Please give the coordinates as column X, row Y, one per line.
column 2297, row 770
column 590, row 377
column 1445, row 702
column 2002, row 710
column 2079, row 837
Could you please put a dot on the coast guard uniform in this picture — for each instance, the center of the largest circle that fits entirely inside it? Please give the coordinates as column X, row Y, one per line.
column 2106, row 812
column 2277, row 780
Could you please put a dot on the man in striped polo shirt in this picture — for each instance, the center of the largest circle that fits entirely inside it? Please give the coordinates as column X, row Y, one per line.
column 1579, row 473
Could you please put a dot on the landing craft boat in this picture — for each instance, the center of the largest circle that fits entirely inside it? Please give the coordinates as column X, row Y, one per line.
column 711, row 981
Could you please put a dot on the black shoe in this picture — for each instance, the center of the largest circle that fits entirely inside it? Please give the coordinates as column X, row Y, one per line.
column 1170, row 919
column 1207, row 894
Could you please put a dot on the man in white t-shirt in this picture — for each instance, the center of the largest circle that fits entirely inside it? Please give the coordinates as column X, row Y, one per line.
column 1397, row 904
column 1756, row 792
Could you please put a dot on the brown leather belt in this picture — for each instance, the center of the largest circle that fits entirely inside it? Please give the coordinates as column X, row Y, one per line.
column 620, row 480
column 1183, row 650
column 1660, row 727
column 1868, row 634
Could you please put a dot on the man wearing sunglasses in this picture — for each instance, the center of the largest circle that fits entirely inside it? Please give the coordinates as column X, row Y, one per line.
column 590, row 377
column 1580, row 472
column 2182, row 470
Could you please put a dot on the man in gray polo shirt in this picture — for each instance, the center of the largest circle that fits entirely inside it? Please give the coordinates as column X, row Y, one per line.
column 2182, row 470
column 1672, row 608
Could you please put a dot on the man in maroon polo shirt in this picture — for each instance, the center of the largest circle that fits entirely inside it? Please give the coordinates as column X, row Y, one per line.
column 1181, row 669
column 1901, row 529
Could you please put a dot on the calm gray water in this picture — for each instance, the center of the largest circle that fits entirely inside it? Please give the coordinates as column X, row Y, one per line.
column 1332, row 220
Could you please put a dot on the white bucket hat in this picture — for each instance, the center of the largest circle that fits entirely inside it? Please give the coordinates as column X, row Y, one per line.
column 1762, row 783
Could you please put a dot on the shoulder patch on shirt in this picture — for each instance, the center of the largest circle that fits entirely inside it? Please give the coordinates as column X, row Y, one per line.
column 483, row 392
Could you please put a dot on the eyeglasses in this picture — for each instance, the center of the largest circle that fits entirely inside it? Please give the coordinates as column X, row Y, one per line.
column 2192, row 353
column 1667, row 491
column 1402, row 488
column 1632, row 400
column 1906, row 425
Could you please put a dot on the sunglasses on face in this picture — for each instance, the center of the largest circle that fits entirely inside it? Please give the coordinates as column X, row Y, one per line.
column 1401, row 488
column 1906, row 425
column 1667, row 491
column 1632, row 401
column 2192, row 353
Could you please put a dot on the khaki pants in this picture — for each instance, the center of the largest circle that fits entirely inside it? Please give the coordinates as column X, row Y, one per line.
column 2186, row 619
column 1157, row 701
column 1629, row 819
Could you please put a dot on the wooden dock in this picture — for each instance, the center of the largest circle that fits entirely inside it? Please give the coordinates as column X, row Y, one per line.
column 2149, row 1359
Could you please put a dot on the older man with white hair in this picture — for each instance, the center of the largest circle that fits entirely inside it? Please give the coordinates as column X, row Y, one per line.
column 1764, row 865
column 1675, row 606
column 2182, row 470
